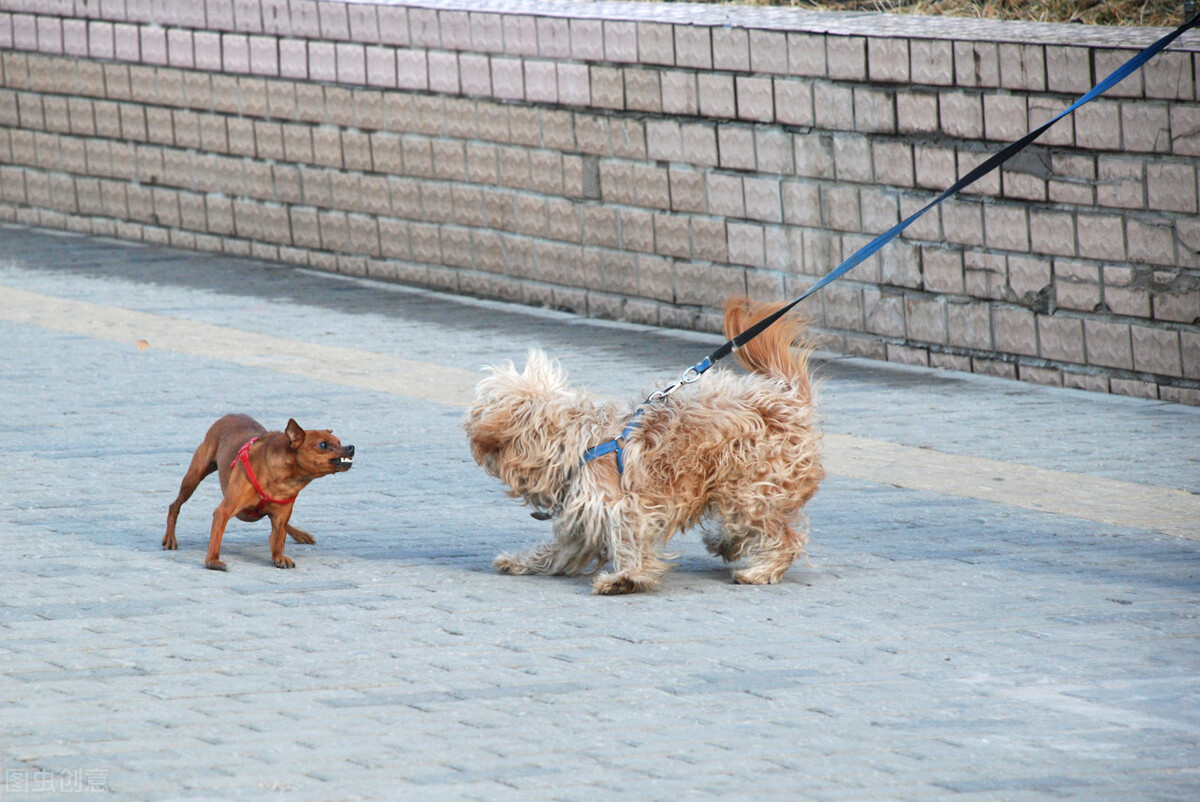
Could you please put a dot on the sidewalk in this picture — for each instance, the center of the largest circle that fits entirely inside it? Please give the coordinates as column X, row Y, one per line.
column 1001, row 602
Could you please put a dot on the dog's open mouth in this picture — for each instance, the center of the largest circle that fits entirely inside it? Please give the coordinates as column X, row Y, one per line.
column 343, row 463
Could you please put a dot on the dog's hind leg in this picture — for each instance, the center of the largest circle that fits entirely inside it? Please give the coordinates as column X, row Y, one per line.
column 203, row 463
column 548, row 558
column 771, row 553
column 570, row 553
column 299, row 535
column 637, row 563
column 728, row 541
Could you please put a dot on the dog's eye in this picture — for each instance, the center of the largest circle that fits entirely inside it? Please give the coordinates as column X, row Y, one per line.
column 324, row 446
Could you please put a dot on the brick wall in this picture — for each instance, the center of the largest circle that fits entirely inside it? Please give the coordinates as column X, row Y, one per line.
column 640, row 161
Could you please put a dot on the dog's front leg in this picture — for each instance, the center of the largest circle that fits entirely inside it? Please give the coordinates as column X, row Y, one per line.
column 221, row 516
column 633, row 540
column 279, row 524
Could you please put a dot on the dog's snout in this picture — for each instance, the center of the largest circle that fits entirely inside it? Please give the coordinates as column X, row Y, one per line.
column 348, row 450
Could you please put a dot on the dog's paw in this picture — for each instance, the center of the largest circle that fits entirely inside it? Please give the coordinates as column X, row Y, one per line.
column 301, row 536
column 508, row 564
column 721, row 547
column 169, row 543
column 757, row 576
column 214, row 565
column 283, row 561
column 621, row 582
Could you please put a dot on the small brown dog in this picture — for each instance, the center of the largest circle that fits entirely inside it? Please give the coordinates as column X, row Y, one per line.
column 742, row 452
column 261, row 473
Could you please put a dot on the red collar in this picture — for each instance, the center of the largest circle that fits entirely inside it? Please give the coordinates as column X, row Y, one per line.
column 243, row 457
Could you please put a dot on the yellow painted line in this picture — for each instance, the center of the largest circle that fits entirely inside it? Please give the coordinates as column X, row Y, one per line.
column 347, row 366
column 1156, row 509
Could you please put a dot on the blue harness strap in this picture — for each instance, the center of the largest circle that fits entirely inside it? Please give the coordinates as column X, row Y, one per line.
column 615, row 444
column 865, row 252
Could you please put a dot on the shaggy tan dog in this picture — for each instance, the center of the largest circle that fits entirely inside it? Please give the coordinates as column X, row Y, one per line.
column 740, row 453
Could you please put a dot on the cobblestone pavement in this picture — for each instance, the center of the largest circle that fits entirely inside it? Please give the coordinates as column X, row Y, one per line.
column 942, row 644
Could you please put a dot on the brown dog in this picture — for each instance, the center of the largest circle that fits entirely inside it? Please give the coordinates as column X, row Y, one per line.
column 261, row 473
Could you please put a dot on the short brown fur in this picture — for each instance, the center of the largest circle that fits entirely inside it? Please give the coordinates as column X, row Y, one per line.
column 284, row 463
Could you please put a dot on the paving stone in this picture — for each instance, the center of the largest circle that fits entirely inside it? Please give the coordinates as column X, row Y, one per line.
column 934, row 647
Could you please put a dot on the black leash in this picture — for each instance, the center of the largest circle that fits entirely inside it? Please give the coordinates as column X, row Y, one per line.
column 694, row 372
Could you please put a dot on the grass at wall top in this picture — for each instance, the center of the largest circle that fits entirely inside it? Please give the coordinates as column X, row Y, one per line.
column 1091, row 12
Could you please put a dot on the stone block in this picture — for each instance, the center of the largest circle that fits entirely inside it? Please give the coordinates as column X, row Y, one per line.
column 656, row 43
column 763, row 199
column 934, row 166
column 687, row 190
column 553, row 37
column 768, row 52
column 834, row 106
column 620, row 41
column 883, row 313
column 976, row 64
column 519, row 35
column 1119, row 183
column 746, row 244
column 587, row 39
column 931, row 62
column 1052, row 232
column 700, row 143
column 1068, row 69
column 888, row 60
column 942, row 270
column 794, row 102
column 1098, row 125
column 709, row 240
column 1171, row 186
column 1022, row 67
column 1156, row 351
column 961, row 114
column 1006, row 117
column 1041, row 110
column 874, row 111
column 1014, row 331
column 840, row 203
column 574, row 84
column 925, row 319
column 730, row 49
column 916, row 112
column 1108, row 344
column 1006, row 227
column 717, row 95
column 725, row 195
column 1184, row 121
column 893, row 163
column 643, row 91
column 773, row 151
column 693, row 46
column 846, row 57
column 1150, row 241
column 508, row 79
column 755, row 99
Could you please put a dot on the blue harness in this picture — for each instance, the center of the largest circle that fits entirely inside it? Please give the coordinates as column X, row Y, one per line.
column 614, row 444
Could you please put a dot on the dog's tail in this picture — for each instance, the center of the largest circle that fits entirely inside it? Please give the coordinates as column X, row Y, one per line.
column 780, row 351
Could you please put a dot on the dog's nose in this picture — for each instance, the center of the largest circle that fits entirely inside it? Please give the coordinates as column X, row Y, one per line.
column 349, row 450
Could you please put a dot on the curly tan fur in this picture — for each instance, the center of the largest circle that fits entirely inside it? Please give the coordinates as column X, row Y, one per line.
column 738, row 453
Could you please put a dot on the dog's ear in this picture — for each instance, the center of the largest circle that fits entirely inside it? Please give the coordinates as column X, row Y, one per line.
column 543, row 372
column 489, row 435
column 295, row 434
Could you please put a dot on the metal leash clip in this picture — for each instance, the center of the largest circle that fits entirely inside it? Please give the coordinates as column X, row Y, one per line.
column 690, row 375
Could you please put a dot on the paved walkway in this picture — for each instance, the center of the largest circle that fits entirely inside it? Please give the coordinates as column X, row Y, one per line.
column 1001, row 604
